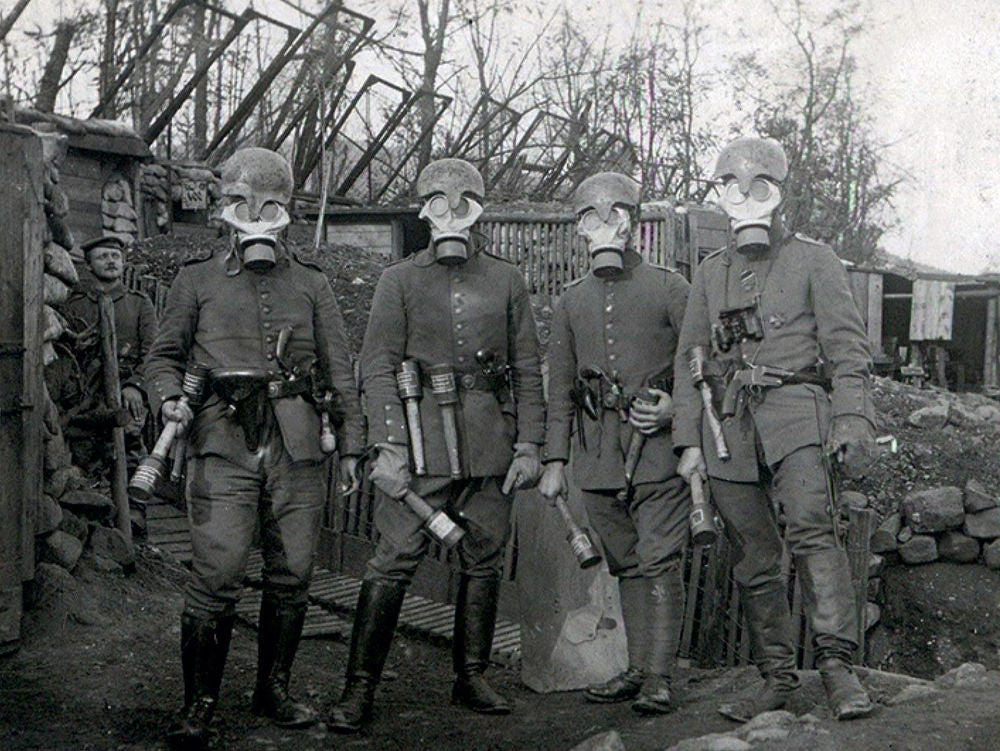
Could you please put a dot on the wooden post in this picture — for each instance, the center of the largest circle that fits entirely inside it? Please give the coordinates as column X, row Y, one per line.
column 22, row 223
column 113, row 396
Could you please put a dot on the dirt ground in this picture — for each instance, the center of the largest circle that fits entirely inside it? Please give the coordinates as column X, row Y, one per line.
column 113, row 680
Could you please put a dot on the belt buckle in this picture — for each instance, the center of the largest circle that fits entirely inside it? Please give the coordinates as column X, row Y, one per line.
column 468, row 381
column 610, row 401
column 274, row 389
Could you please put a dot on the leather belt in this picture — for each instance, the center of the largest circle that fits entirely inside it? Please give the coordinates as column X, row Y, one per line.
column 280, row 389
column 472, row 382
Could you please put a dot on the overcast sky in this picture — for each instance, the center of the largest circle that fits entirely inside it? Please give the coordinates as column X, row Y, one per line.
column 933, row 68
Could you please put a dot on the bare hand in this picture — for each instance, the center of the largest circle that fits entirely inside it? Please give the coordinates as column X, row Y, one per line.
column 174, row 410
column 524, row 470
column 349, row 480
column 553, row 483
column 651, row 418
column 134, row 403
column 692, row 463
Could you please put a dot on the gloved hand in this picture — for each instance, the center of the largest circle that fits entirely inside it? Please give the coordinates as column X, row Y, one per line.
column 648, row 419
column 692, row 462
column 524, row 470
column 553, row 483
column 174, row 410
column 852, row 444
column 391, row 470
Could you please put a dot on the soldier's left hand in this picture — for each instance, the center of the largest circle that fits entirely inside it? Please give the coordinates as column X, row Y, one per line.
column 852, row 444
column 524, row 470
column 651, row 418
column 349, row 481
column 132, row 401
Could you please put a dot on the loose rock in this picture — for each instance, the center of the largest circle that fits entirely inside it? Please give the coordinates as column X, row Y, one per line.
column 977, row 498
column 884, row 538
column 607, row 741
column 955, row 546
column 985, row 525
column 62, row 549
column 934, row 510
column 919, row 549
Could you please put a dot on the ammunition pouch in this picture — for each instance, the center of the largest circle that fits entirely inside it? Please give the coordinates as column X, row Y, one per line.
column 248, row 392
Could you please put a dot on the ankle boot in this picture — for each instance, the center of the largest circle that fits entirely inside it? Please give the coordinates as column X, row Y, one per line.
column 204, row 645
column 475, row 621
column 625, row 686
column 378, row 609
column 665, row 603
column 829, row 603
column 278, row 635
column 770, row 625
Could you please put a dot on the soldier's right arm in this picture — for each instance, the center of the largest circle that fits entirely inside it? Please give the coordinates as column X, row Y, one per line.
column 163, row 369
column 696, row 330
column 562, row 374
column 383, row 350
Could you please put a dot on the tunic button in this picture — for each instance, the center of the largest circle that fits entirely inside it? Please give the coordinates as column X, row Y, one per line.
column 611, row 341
column 267, row 324
column 458, row 326
column 460, row 342
column 388, row 407
column 269, row 338
column 461, row 358
column 458, row 311
column 265, row 295
column 611, row 357
column 267, row 308
column 270, row 356
column 609, row 308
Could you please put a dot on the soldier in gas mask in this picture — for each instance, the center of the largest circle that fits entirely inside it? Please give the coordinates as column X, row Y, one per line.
column 766, row 308
column 610, row 355
column 267, row 327
column 462, row 320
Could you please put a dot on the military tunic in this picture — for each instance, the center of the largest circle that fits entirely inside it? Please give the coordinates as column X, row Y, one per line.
column 224, row 320
column 135, row 324
column 628, row 327
column 444, row 314
column 808, row 313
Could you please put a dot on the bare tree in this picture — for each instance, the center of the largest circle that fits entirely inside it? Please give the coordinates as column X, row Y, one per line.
column 835, row 189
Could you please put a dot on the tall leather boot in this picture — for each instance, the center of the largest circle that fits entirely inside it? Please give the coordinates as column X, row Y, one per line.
column 625, row 686
column 829, row 602
column 278, row 635
column 379, row 604
column 770, row 624
column 665, row 597
column 475, row 621
column 204, row 646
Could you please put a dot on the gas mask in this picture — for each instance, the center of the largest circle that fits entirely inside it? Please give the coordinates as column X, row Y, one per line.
column 452, row 190
column 751, row 170
column 604, row 204
column 256, row 188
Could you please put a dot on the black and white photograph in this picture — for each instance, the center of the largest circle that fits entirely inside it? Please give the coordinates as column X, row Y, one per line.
column 499, row 375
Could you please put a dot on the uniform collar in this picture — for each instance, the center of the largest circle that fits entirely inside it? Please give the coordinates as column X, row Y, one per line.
column 116, row 291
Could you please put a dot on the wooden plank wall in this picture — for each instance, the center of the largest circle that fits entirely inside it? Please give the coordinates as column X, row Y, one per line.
column 21, row 231
column 933, row 310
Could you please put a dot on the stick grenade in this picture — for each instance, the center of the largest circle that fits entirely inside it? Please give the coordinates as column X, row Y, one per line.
column 410, row 391
column 635, row 443
column 584, row 550
column 446, row 393
column 327, row 438
column 193, row 389
column 151, row 469
column 697, row 366
column 703, row 530
column 113, row 395
column 436, row 522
